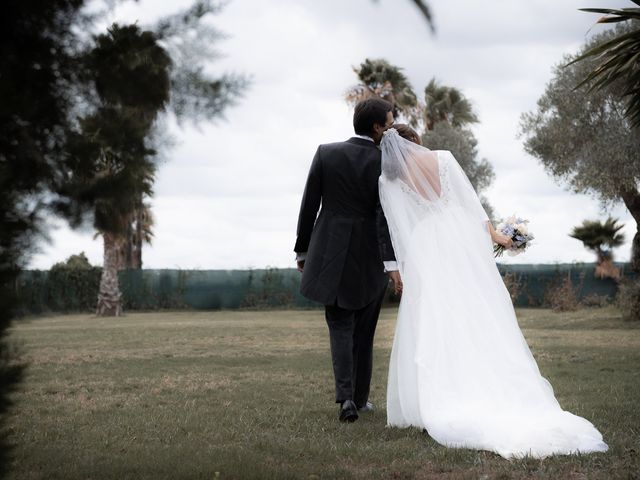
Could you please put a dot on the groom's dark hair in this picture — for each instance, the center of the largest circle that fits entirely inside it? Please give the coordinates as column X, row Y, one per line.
column 368, row 112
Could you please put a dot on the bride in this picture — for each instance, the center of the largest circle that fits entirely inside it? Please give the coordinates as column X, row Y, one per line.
column 460, row 367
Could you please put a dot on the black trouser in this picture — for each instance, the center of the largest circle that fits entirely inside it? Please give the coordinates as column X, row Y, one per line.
column 351, row 333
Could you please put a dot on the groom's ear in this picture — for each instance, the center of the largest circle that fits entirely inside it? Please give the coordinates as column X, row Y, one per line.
column 378, row 128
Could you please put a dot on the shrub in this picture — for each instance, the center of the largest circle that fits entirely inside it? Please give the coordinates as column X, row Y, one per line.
column 628, row 299
column 562, row 295
column 514, row 285
column 595, row 300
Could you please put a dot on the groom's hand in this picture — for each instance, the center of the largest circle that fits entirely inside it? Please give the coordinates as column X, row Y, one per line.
column 301, row 265
column 397, row 281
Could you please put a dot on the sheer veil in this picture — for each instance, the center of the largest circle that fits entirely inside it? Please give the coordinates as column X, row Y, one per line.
column 417, row 182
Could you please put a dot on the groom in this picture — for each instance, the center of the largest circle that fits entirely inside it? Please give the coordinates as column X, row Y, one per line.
column 344, row 253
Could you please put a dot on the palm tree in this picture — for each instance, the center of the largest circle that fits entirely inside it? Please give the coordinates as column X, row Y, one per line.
column 601, row 238
column 378, row 78
column 130, row 73
column 136, row 74
column 446, row 104
column 618, row 58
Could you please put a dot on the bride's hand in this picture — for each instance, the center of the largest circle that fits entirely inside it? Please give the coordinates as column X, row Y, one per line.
column 504, row 241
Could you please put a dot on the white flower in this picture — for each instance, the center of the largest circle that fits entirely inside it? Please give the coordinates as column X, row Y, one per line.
column 522, row 228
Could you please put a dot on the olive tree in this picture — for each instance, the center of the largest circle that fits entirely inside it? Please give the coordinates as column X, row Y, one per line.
column 584, row 139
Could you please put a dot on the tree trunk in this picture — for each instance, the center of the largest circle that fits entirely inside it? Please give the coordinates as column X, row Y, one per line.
column 631, row 199
column 136, row 254
column 131, row 249
column 605, row 267
column 109, row 296
column 124, row 260
column 121, row 262
column 635, row 251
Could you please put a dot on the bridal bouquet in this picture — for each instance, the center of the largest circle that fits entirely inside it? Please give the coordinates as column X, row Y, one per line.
column 518, row 230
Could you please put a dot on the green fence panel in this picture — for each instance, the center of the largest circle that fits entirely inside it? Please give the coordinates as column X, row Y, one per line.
column 537, row 279
column 77, row 290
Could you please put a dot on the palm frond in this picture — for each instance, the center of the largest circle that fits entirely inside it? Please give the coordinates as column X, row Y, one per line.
column 426, row 12
column 625, row 13
column 618, row 60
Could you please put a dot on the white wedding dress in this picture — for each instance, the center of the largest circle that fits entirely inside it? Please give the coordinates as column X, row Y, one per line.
column 460, row 366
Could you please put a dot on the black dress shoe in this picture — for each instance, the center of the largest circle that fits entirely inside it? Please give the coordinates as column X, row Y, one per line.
column 348, row 412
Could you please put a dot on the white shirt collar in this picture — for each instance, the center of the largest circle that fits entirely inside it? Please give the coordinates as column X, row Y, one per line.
column 364, row 137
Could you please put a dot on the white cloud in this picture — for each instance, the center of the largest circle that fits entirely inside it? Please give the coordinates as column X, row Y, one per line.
column 228, row 196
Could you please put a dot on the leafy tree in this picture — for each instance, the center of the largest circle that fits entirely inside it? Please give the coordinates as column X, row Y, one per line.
column 584, row 138
column 37, row 74
column 378, row 78
column 601, row 238
column 196, row 94
column 618, row 59
column 74, row 262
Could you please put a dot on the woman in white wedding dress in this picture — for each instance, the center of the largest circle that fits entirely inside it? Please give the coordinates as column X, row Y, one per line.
column 460, row 366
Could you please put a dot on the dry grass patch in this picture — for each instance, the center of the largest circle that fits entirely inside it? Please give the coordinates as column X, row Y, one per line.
column 249, row 394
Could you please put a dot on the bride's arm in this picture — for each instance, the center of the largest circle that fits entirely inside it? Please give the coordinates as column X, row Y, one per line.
column 498, row 237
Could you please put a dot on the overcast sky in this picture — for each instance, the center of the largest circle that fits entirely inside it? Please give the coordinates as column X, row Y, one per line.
column 228, row 194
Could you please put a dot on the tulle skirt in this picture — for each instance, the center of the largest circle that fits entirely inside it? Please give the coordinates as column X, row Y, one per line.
column 460, row 366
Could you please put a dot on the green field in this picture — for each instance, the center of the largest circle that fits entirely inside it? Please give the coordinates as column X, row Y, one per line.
column 249, row 395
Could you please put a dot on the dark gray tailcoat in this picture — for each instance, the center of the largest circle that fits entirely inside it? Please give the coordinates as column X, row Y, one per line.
column 349, row 240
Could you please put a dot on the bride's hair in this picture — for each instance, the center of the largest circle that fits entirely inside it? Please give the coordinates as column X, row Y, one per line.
column 394, row 169
column 405, row 131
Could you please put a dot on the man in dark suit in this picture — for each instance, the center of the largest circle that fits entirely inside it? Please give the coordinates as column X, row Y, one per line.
column 343, row 254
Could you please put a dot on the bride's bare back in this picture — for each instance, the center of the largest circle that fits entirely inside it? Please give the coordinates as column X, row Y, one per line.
column 422, row 169
column 426, row 168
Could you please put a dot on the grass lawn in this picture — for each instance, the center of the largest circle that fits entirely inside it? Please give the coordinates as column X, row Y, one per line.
column 249, row 395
